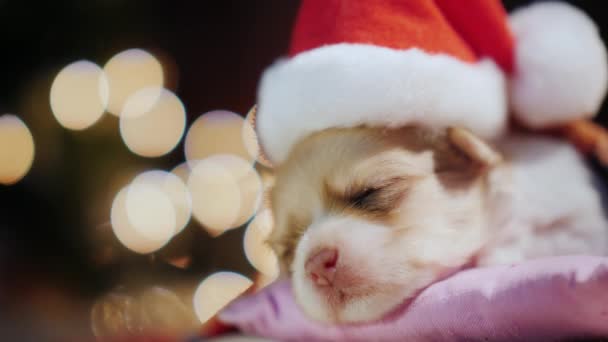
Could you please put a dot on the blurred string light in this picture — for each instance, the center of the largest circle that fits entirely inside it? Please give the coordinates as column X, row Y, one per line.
column 142, row 236
column 226, row 191
column 175, row 189
column 79, row 95
column 115, row 314
column 150, row 211
column 248, row 134
column 257, row 250
column 182, row 171
column 216, row 291
column 128, row 72
column 250, row 138
column 118, row 314
column 216, row 198
column 16, row 149
column 163, row 310
column 219, row 132
column 152, row 122
column 147, row 213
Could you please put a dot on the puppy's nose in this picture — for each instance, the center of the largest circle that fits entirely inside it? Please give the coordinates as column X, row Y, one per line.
column 321, row 266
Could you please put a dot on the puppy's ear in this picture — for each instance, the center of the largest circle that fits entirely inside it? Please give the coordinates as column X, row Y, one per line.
column 474, row 148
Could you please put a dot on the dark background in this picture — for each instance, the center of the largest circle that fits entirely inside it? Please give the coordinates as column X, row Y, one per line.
column 49, row 247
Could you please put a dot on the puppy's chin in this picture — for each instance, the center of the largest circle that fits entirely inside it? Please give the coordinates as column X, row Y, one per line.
column 370, row 279
column 346, row 308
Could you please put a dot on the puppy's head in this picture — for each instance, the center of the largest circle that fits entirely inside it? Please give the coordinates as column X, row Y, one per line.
column 365, row 217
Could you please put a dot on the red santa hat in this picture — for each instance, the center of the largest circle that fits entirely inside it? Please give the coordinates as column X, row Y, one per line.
column 430, row 62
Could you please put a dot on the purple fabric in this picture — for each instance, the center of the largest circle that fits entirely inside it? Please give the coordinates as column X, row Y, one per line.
column 544, row 299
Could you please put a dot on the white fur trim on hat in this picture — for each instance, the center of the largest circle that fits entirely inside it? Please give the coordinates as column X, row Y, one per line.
column 561, row 68
column 346, row 85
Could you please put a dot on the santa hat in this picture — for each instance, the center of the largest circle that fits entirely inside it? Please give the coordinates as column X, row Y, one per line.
column 431, row 62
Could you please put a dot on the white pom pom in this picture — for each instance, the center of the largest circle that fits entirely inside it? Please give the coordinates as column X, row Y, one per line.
column 561, row 68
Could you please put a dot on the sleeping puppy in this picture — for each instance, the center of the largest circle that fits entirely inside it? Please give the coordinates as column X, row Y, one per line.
column 367, row 217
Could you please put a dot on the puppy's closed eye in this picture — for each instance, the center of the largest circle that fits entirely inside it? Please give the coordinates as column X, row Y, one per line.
column 366, row 199
column 362, row 198
column 380, row 198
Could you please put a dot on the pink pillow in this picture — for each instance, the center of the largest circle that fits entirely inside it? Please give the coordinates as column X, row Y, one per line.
column 543, row 299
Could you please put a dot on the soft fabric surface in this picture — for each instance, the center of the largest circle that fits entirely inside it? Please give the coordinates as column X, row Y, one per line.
column 545, row 299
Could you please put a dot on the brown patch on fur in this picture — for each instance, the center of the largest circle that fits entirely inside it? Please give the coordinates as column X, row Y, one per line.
column 285, row 244
column 455, row 168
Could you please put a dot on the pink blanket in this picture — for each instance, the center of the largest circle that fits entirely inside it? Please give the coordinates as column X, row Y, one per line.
column 540, row 300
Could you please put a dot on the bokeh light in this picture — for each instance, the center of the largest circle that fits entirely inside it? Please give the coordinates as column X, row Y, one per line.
column 249, row 135
column 163, row 310
column 251, row 139
column 182, row 171
column 216, row 291
column 150, row 211
column 249, row 183
column 133, row 218
column 152, row 122
column 79, row 95
column 115, row 315
column 216, row 198
column 175, row 189
column 257, row 251
column 218, row 132
column 128, row 72
column 226, row 192
column 16, row 149
column 120, row 314
column 262, row 280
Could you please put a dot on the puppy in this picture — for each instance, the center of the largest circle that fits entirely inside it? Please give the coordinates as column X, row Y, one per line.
column 367, row 217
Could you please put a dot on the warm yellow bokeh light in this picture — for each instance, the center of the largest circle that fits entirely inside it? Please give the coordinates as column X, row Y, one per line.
column 152, row 131
column 257, row 250
column 216, row 198
column 250, row 138
column 262, row 280
column 79, row 95
column 182, row 171
column 129, row 72
column 249, row 184
column 249, row 135
column 164, row 310
column 114, row 314
column 226, row 191
column 216, row 291
column 175, row 189
column 143, row 239
column 150, row 211
column 122, row 313
column 217, row 132
column 16, row 149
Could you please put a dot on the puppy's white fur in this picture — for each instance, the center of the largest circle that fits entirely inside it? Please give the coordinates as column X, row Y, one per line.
column 554, row 207
column 539, row 203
